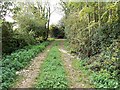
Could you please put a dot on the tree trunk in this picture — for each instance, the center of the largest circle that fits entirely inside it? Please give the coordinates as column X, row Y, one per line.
column 99, row 13
column 48, row 23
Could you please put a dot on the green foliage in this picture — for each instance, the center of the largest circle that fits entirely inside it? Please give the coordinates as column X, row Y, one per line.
column 31, row 24
column 101, row 79
column 108, row 62
column 92, row 31
column 28, row 28
column 103, row 69
column 12, row 40
column 104, row 80
column 52, row 73
column 89, row 30
column 8, row 42
column 17, row 61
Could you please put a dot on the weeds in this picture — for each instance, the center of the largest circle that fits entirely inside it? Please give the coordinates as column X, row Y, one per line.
column 52, row 73
column 17, row 61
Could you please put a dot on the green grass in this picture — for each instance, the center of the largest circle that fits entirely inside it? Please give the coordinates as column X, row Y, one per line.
column 17, row 61
column 52, row 73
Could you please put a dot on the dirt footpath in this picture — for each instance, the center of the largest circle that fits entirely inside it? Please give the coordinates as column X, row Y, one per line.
column 30, row 74
column 73, row 75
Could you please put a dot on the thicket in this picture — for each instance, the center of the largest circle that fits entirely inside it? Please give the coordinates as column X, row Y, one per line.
column 93, row 31
column 17, row 61
column 30, row 25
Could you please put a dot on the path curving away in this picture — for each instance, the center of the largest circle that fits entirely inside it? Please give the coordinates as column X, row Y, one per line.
column 30, row 73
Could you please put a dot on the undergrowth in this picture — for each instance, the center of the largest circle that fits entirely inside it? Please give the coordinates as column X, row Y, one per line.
column 101, row 79
column 17, row 61
column 102, row 69
column 52, row 73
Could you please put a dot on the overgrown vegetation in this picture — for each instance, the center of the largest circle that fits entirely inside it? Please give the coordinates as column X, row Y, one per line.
column 93, row 31
column 102, row 79
column 52, row 73
column 30, row 24
column 17, row 61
